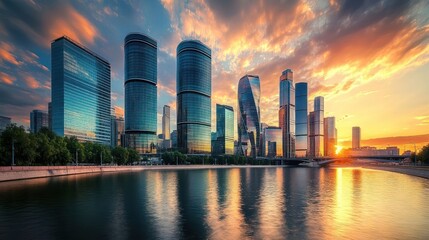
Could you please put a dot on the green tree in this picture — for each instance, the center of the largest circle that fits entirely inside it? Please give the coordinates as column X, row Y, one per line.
column 74, row 146
column 45, row 149
column 120, row 155
column 423, row 155
column 133, row 156
column 61, row 155
column 24, row 144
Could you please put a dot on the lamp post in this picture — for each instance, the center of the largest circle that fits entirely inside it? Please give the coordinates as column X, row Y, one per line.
column 13, row 154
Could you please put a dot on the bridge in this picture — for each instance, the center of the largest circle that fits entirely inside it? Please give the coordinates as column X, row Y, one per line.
column 322, row 161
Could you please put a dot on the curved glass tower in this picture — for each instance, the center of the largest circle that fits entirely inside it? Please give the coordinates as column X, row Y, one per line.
column 140, row 92
column 194, row 97
column 248, row 118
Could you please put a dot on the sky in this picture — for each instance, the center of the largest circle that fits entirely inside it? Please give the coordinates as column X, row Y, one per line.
column 369, row 58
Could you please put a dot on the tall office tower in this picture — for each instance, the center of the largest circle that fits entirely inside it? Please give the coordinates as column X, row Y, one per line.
column 224, row 130
column 355, row 137
column 166, row 122
column 194, row 87
column 315, row 126
column 248, row 115
column 301, row 126
column 262, row 140
column 118, row 131
column 329, row 133
column 80, row 92
column 140, row 93
column 4, row 122
column 38, row 119
column 50, row 116
column 287, row 113
column 173, row 137
column 273, row 138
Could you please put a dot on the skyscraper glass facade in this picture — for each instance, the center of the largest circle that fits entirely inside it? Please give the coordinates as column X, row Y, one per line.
column 166, row 122
column 301, row 110
column 140, row 93
column 38, row 119
column 193, row 97
column 316, row 125
column 224, row 130
column 329, row 133
column 287, row 113
column 80, row 92
column 273, row 139
column 356, row 137
column 248, row 115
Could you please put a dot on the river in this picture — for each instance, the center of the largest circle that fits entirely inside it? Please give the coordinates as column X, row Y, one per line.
column 256, row 203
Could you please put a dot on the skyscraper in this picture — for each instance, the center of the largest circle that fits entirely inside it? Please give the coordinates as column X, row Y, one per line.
column 140, row 92
column 273, row 138
column 80, row 92
column 355, row 137
column 38, row 119
column 315, row 122
column 50, row 116
column 329, row 136
column 118, row 131
column 301, row 131
column 287, row 113
column 166, row 122
column 194, row 97
column 224, row 130
column 248, row 115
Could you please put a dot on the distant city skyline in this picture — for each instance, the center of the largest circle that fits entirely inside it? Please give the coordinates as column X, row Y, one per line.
column 358, row 68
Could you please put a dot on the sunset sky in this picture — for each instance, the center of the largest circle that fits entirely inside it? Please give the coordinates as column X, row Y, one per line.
column 369, row 59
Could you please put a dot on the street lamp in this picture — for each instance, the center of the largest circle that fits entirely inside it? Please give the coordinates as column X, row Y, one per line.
column 13, row 154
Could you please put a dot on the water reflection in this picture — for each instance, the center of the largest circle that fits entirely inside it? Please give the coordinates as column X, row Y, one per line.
column 263, row 203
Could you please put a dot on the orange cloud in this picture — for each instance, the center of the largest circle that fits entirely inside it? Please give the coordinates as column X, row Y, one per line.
column 5, row 78
column 74, row 25
column 119, row 111
column 7, row 55
column 31, row 82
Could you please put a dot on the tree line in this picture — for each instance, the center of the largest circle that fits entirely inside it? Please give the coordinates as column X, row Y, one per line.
column 46, row 148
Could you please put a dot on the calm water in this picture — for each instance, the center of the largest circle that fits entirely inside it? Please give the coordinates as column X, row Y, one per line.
column 261, row 203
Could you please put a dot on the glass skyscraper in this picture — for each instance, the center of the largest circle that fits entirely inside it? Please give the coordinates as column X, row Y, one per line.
column 287, row 113
column 140, row 93
column 356, row 137
column 248, row 115
column 273, row 139
column 166, row 122
column 224, row 130
column 38, row 119
column 301, row 131
column 80, row 92
column 329, row 133
column 315, row 123
column 194, row 89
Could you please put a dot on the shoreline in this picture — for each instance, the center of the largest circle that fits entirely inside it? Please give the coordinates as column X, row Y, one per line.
column 17, row 173
column 416, row 171
column 32, row 172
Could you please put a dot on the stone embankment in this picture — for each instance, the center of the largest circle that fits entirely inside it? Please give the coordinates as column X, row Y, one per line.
column 27, row 172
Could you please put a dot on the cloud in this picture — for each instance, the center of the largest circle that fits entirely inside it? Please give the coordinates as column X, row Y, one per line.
column 5, row 78
column 45, row 21
column 119, row 111
column 7, row 55
column 31, row 82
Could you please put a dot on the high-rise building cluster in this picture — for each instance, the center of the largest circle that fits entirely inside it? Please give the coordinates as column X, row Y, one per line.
column 81, row 106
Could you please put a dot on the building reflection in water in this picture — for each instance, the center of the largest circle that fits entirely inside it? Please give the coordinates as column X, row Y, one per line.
column 162, row 203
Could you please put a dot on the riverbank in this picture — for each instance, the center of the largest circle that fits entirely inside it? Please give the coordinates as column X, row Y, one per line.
column 417, row 171
column 29, row 172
